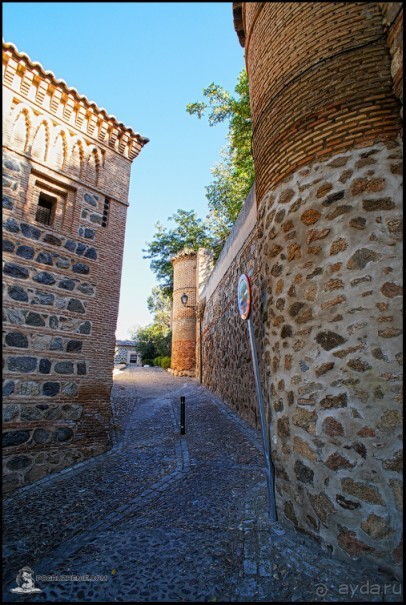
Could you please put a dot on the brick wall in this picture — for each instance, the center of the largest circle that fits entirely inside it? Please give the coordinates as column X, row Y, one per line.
column 183, row 355
column 59, row 309
column 320, row 83
column 392, row 14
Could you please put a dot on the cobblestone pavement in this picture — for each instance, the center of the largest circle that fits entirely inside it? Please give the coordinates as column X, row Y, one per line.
column 167, row 518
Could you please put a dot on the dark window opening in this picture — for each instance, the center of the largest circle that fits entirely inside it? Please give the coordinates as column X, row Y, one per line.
column 133, row 358
column 105, row 212
column 45, row 209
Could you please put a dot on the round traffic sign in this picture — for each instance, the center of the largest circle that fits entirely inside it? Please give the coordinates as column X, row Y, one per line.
column 244, row 296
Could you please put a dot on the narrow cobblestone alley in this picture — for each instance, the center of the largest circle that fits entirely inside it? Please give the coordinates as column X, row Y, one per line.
column 164, row 517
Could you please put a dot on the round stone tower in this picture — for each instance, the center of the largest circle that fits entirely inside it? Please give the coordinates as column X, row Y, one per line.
column 184, row 316
column 328, row 165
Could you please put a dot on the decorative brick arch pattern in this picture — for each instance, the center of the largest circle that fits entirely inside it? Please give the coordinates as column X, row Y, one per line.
column 38, row 147
column 75, row 161
column 21, row 132
column 59, row 148
column 93, row 166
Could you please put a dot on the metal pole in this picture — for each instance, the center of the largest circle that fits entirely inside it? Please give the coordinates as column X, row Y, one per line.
column 268, row 461
column 182, row 415
column 200, row 349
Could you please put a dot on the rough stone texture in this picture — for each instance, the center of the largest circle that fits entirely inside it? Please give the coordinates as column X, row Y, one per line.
column 339, row 348
column 227, row 363
column 322, row 376
column 55, row 286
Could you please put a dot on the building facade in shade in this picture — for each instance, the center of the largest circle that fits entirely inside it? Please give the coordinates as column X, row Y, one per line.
column 321, row 240
column 66, row 173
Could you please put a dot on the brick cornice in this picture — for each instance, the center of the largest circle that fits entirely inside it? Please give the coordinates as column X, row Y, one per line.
column 30, row 81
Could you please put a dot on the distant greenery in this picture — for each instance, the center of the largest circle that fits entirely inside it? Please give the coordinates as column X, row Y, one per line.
column 233, row 179
column 160, row 303
column 154, row 341
column 162, row 362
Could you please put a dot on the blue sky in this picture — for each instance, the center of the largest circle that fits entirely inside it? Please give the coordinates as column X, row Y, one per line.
column 142, row 62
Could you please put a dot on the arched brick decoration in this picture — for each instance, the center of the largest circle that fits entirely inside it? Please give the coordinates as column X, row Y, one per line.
column 39, row 148
column 75, row 160
column 93, row 167
column 20, row 131
column 58, row 151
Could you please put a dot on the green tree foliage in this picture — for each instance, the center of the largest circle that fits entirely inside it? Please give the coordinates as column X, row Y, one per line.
column 162, row 362
column 153, row 341
column 159, row 303
column 189, row 231
column 234, row 174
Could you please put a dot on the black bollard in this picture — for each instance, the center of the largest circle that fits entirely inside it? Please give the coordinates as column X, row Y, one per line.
column 182, row 415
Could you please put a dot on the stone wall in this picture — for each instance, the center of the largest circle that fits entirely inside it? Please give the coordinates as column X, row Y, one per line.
column 330, row 249
column 226, row 353
column 59, row 311
column 325, row 259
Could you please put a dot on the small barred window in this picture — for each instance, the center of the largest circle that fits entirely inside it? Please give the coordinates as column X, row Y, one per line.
column 45, row 209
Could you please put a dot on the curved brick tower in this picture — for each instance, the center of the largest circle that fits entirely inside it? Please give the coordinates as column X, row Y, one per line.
column 327, row 153
column 66, row 173
column 183, row 360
